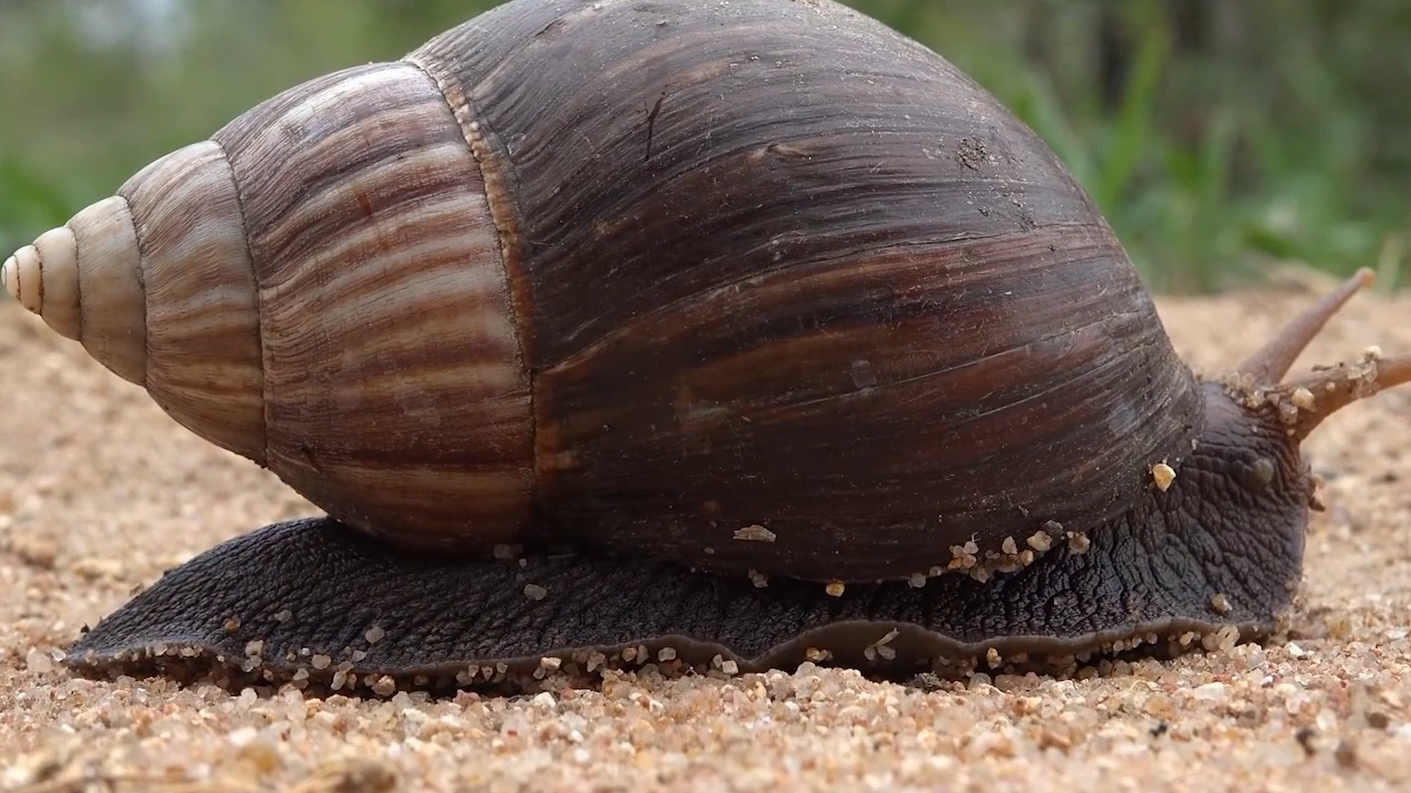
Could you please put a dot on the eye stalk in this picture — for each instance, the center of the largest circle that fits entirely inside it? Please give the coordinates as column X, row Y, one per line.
column 1308, row 401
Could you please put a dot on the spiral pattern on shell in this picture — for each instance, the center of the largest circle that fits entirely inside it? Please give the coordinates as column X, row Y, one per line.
column 765, row 264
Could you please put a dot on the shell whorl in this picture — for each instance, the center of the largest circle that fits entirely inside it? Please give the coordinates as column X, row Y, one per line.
column 156, row 284
column 318, row 288
column 637, row 296
column 83, row 280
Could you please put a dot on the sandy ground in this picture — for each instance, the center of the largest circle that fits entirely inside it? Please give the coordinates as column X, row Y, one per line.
column 100, row 491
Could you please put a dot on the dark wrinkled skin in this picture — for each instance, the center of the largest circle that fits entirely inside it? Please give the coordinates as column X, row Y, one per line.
column 306, row 588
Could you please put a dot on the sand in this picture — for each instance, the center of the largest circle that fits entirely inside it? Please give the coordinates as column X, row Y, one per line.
column 100, row 491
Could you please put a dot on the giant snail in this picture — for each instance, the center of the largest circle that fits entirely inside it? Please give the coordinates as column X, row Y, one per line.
column 715, row 335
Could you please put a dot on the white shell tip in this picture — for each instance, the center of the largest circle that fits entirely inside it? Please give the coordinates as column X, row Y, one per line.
column 58, row 281
column 22, row 277
column 10, row 274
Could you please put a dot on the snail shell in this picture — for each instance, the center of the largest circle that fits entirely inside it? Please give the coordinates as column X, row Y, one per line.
column 665, row 293
column 635, row 277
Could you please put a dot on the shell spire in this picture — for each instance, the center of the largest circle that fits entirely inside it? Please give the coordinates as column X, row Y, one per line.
column 84, row 280
column 318, row 287
column 155, row 282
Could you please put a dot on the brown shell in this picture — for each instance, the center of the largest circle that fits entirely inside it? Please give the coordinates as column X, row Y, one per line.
column 757, row 284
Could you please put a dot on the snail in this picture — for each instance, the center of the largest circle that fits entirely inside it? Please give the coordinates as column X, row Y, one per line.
column 718, row 336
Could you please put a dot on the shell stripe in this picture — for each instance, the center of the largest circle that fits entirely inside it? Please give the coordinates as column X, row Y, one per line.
column 365, row 208
column 111, row 288
column 204, row 365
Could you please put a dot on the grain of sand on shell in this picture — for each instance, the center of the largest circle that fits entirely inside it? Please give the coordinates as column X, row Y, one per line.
column 100, row 491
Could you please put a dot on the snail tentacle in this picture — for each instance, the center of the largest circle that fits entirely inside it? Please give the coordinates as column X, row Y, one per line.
column 1270, row 363
column 1307, row 401
column 1310, row 400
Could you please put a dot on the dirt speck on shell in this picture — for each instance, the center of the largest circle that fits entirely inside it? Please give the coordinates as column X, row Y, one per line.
column 100, row 491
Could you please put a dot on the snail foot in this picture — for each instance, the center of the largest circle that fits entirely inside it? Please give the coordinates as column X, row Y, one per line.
column 317, row 605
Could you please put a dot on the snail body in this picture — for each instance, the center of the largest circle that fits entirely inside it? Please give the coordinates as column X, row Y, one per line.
column 598, row 325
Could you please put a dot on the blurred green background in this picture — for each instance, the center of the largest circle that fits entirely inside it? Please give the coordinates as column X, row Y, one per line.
column 1218, row 136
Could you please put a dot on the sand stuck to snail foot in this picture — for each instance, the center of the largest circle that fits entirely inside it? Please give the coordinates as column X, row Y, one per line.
column 100, row 492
